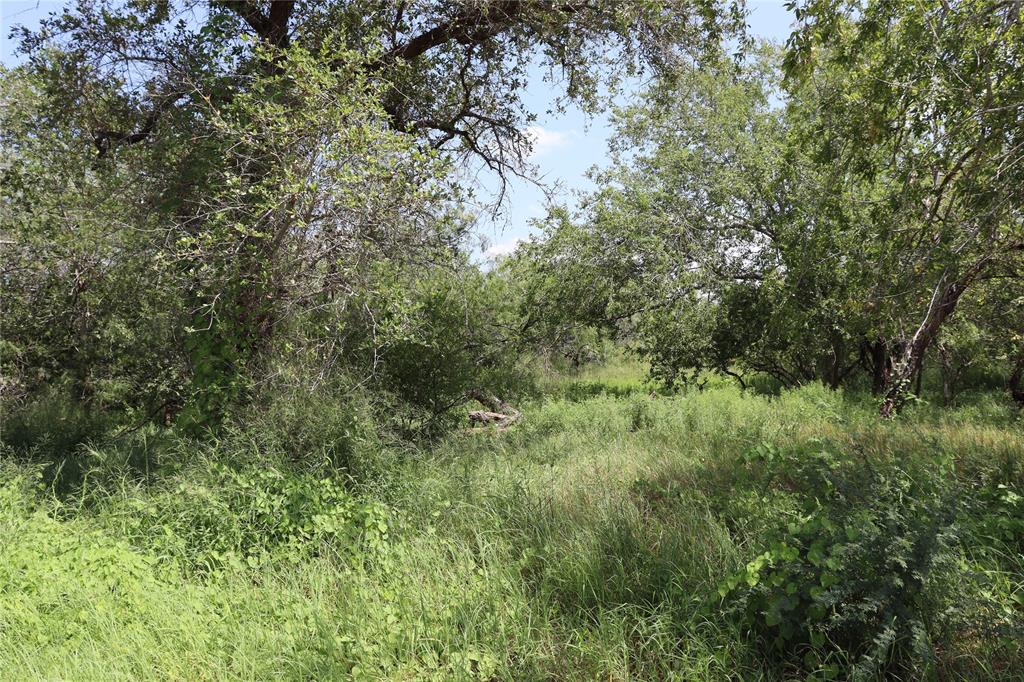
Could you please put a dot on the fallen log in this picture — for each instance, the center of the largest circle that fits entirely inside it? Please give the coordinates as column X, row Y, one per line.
column 499, row 413
column 496, row 418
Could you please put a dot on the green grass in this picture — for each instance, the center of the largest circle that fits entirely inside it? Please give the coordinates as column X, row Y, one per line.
column 589, row 542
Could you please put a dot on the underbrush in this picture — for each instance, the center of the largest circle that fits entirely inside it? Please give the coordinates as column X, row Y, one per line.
column 625, row 535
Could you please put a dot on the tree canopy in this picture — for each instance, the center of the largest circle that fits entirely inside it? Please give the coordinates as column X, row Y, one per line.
column 196, row 191
column 809, row 213
column 250, row 177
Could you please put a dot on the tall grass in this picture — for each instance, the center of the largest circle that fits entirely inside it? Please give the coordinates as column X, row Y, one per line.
column 588, row 542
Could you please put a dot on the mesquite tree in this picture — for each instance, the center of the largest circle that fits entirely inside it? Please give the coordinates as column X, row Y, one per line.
column 813, row 229
column 714, row 233
column 922, row 106
column 267, row 156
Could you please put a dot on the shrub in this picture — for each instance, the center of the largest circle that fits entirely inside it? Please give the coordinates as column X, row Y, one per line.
column 54, row 430
column 52, row 426
column 449, row 333
column 857, row 577
column 640, row 416
column 252, row 515
column 326, row 428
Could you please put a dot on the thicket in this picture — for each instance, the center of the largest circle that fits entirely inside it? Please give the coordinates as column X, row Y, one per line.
column 241, row 324
column 211, row 213
column 707, row 535
column 843, row 211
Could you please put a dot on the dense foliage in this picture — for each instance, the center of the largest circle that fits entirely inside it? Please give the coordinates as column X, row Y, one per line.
column 193, row 191
column 815, row 216
column 243, row 322
column 712, row 535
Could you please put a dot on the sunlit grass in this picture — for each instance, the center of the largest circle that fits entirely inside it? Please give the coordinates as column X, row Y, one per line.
column 584, row 543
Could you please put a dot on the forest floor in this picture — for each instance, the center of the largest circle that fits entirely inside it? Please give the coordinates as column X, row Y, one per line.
column 613, row 534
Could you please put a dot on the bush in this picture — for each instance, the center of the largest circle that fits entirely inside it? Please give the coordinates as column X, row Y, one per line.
column 858, row 577
column 52, row 426
column 431, row 341
column 55, row 431
column 233, row 517
column 327, row 428
column 640, row 416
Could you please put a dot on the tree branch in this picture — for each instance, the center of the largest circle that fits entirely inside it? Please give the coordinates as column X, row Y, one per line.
column 105, row 140
column 273, row 27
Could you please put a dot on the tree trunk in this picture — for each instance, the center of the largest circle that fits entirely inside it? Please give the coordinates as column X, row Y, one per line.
column 943, row 303
column 499, row 413
column 495, row 418
column 1016, row 382
column 837, row 373
column 881, row 366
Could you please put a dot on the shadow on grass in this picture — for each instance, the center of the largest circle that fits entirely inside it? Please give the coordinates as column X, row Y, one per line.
column 73, row 445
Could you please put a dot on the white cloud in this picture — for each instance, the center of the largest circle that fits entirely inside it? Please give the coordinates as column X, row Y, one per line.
column 545, row 140
column 502, row 249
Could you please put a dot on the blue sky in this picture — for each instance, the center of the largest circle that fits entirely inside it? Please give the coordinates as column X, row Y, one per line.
column 567, row 144
column 26, row 12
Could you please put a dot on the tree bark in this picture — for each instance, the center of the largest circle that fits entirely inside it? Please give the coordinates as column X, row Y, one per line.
column 943, row 303
column 498, row 413
column 496, row 418
column 1016, row 382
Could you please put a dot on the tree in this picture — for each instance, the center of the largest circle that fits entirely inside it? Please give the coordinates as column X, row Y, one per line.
column 921, row 106
column 837, row 231
column 989, row 333
column 452, row 73
column 87, row 303
column 260, row 217
column 713, row 232
column 266, row 156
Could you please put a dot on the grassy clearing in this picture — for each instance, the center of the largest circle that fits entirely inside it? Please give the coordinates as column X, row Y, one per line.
column 612, row 536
